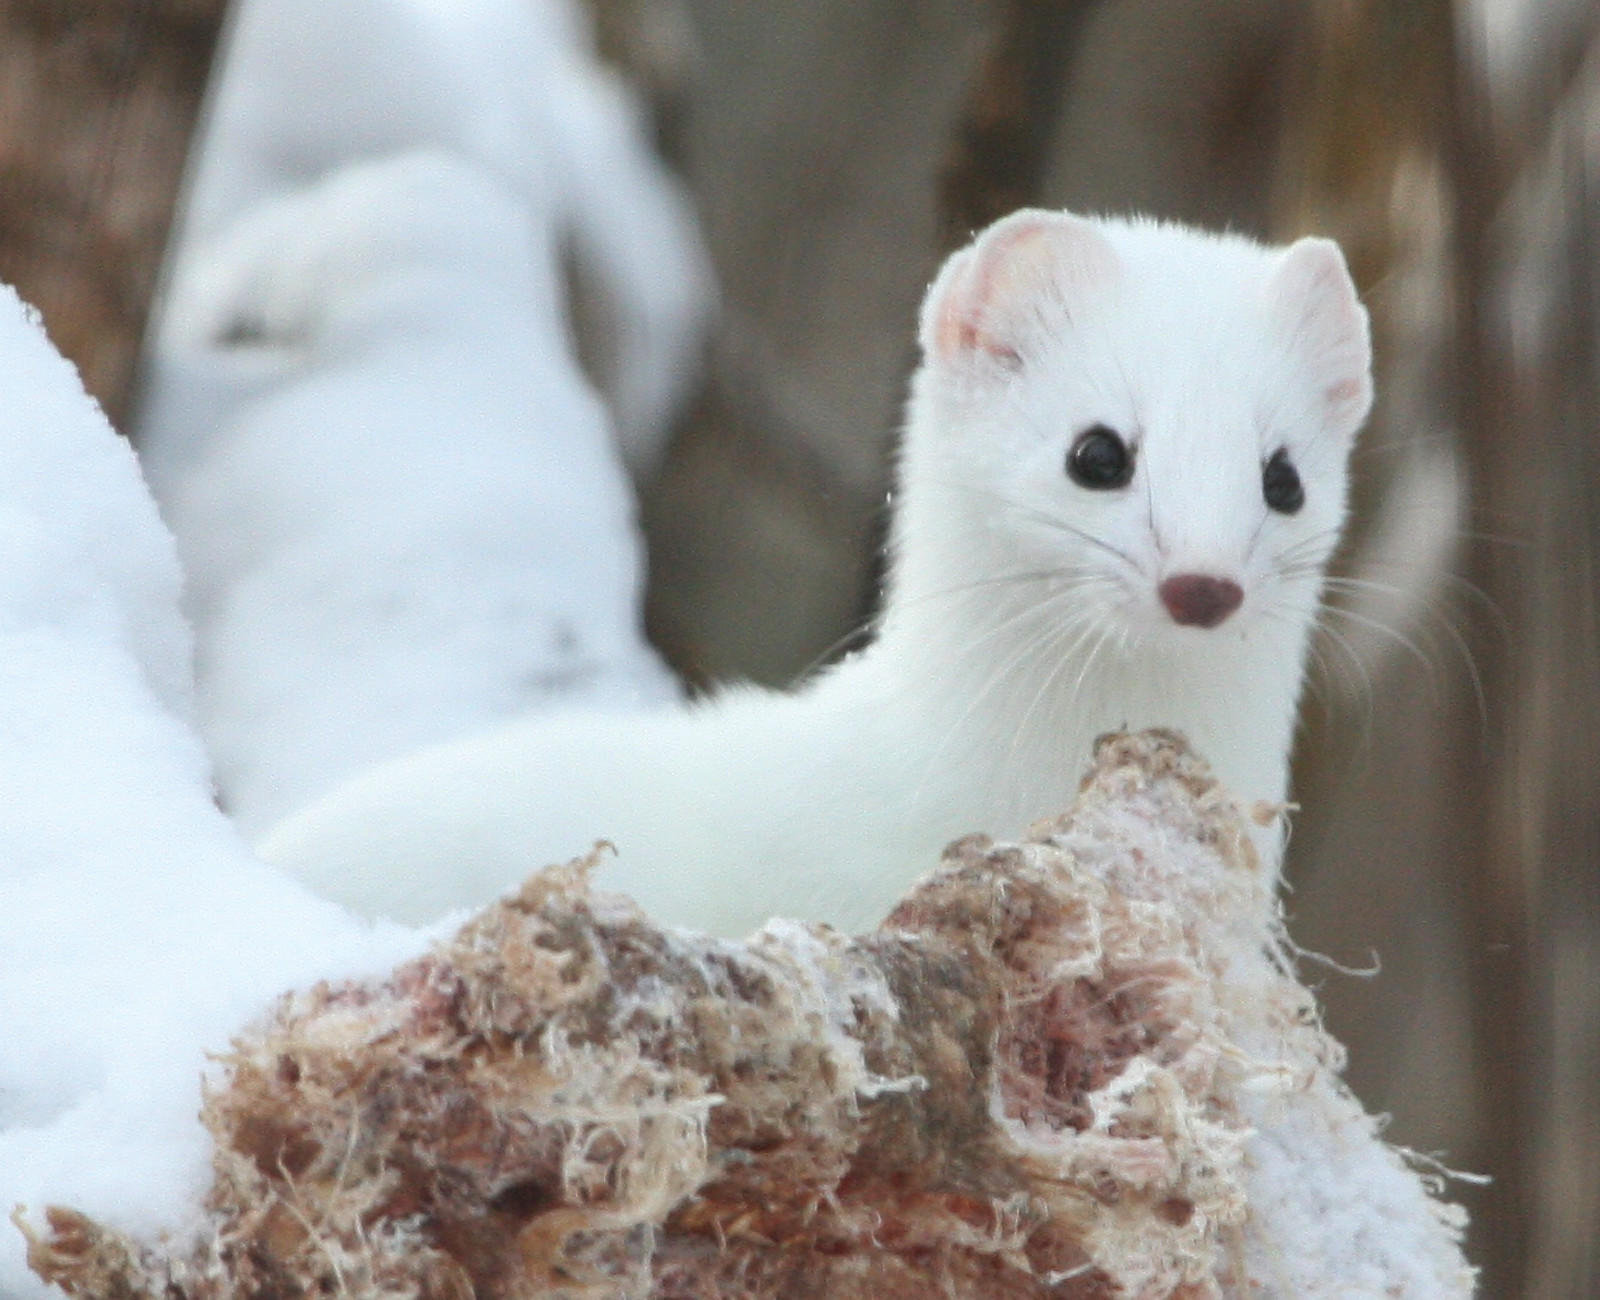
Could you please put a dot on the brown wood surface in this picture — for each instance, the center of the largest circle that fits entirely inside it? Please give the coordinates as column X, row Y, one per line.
column 97, row 102
column 1527, row 795
column 1000, row 145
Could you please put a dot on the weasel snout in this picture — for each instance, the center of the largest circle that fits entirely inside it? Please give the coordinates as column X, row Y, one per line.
column 1199, row 600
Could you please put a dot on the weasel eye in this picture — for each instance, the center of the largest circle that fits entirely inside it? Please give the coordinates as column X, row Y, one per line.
column 1280, row 484
column 1100, row 459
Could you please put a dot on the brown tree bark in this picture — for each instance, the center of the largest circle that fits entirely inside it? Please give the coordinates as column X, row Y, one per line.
column 1373, row 874
column 1002, row 141
column 98, row 99
column 1529, row 838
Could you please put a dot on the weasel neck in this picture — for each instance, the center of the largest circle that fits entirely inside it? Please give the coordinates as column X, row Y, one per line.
column 1004, row 699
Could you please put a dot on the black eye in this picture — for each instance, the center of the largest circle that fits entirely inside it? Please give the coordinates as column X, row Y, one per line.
column 1100, row 459
column 1280, row 484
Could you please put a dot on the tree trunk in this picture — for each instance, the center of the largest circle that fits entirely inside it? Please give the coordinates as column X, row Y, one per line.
column 1002, row 141
column 97, row 102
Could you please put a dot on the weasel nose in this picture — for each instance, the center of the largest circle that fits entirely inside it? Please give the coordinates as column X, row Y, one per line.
column 1196, row 600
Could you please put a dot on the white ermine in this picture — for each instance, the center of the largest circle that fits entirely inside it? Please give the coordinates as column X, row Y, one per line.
column 1123, row 471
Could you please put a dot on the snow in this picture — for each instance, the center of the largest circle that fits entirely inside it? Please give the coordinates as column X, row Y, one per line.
column 310, row 85
column 137, row 932
column 404, row 514
column 402, row 509
column 417, row 524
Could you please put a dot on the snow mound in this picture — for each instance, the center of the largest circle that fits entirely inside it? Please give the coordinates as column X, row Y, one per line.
column 404, row 514
column 413, row 523
column 310, row 85
column 136, row 930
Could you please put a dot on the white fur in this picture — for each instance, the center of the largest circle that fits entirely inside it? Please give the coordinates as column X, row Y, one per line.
column 1022, row 618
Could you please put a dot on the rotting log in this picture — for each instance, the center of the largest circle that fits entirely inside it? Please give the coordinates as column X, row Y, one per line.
column 1078, row 1066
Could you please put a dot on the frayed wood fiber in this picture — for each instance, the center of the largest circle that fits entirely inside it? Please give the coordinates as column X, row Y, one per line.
column 1076, row 1067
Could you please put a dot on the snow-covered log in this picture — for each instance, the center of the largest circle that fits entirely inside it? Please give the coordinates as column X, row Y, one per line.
column 1079, row 1066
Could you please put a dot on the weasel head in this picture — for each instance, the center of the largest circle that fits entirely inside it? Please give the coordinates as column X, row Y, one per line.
column 1138, row 432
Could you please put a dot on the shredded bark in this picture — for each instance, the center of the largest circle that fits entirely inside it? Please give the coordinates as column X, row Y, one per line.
column 1040, row 1077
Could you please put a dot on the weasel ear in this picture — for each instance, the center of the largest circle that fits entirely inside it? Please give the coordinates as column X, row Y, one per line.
column 990, row 298
column 1317, row 305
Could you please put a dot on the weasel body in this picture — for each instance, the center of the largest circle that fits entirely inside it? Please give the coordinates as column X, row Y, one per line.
column 1123, row 472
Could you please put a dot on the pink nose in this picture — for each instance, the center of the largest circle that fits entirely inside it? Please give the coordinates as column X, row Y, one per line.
column 1195, row 600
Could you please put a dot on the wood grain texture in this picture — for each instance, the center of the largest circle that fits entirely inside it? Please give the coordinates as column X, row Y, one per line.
column 98, row 99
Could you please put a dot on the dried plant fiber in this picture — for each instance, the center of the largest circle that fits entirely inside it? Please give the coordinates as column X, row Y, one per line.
column 1077, row 1067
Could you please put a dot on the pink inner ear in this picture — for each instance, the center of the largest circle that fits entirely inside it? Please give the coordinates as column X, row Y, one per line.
column 1346, row 390
column 1320, row 309
column 969, row 336
column 992, row 299
column 989, row 300
column 958, row 329
column 975, row 307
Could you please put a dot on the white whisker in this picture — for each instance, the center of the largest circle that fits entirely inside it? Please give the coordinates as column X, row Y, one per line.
column 1399, row 638
column 997, row 674
column 1049, row 681
column 1049, row 521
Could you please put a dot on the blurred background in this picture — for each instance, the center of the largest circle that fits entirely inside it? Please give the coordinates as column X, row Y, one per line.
column 1446, row 858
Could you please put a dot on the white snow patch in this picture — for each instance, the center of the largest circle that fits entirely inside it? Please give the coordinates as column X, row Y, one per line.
column 412, row 523
column 401, row 508
column 512, row 85
column 136, row 930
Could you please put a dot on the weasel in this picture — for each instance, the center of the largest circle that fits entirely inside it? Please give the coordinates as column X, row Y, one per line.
column 1122, row 473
